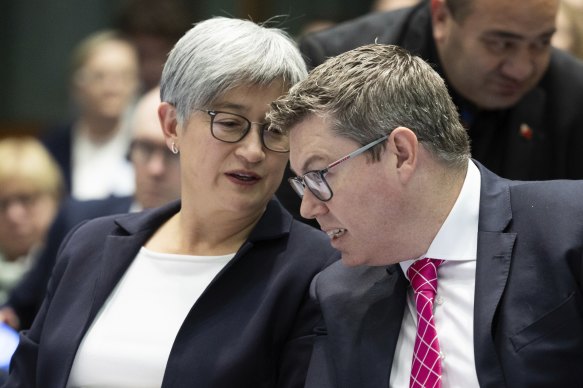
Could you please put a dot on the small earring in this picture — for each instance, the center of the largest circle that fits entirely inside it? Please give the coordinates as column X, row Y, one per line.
column 174, row 148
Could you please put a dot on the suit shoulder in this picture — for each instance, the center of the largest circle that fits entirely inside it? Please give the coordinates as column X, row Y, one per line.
column 380, row 27
column 311, row 243
column 339, row 279
column 558, row 200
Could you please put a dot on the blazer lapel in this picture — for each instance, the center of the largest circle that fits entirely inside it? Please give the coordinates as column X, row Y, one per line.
column 122, row 246
column 493, row 263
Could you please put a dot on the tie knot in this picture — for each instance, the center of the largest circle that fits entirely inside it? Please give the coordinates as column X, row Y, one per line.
column 423, row 275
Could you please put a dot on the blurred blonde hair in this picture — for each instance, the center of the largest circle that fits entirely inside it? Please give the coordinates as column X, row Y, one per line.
column 25, row 159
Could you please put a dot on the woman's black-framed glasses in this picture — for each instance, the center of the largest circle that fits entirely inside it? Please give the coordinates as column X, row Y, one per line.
column 315, row 180
column 231, row 128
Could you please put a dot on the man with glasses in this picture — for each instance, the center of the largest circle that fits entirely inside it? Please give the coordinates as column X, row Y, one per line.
column 157, row 175
column 495, row 266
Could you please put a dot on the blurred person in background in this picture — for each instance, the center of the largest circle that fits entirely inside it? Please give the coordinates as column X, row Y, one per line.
column 389, row 5
column 91, row 150
column 157, row 177
column 518, row 97
column 209, row 291
column 569, row 35
column 31, row 187
column 153, row 27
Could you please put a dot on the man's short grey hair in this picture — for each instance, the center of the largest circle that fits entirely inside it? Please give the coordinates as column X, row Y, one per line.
column 221, row 53
column 369, row 91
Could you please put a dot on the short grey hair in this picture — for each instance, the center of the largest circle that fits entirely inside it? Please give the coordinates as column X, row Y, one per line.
column 367, row 92
column 221, row 53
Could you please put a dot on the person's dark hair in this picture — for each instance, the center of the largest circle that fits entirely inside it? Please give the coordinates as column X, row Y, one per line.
column 367, row 92
column 168, row 19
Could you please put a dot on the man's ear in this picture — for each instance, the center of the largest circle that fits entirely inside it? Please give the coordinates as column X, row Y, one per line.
column 167, row 116
column 404, row 145
column 439, row 18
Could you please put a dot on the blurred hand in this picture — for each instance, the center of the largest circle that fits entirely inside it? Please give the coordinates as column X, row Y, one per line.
column 9, row 317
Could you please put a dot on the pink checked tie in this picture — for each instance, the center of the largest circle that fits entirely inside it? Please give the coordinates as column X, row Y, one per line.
column 426, row 368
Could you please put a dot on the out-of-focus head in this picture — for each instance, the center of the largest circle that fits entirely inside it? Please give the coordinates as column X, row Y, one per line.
column 157, row 169
column 366, row 203
column 223, row 74
column 154, row 27
column 104, row 75
column 31, row 186
column 493, row 52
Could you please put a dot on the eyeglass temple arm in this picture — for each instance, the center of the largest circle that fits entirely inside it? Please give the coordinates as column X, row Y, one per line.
column 357, row 152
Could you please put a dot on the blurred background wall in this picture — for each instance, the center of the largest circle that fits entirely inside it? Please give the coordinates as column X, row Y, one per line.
column 36, row 38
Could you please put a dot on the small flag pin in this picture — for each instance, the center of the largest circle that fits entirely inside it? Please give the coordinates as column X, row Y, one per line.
column 525, row 131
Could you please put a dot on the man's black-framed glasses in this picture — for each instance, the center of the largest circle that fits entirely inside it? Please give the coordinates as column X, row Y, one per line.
column 315, row 180
column 231, row 128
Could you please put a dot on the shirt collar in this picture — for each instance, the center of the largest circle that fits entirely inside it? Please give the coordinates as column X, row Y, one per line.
column 457, row 239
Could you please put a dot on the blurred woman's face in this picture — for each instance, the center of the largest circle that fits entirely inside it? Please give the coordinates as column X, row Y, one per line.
column 25, row 216
column 233, row 177
column 108, row 81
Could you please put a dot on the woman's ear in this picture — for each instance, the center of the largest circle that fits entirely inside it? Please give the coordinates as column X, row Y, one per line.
column 167, row 116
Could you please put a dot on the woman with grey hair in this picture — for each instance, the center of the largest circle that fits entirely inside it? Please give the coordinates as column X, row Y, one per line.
column 211, row 291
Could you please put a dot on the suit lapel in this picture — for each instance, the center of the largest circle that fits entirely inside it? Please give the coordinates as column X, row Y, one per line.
column 492, row 267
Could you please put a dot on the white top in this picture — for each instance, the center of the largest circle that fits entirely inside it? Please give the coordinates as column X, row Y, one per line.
column 129, row 342
column 101, row 170
column 457, row 243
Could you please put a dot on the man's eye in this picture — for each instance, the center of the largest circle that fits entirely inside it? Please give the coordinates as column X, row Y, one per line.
column 499, row 46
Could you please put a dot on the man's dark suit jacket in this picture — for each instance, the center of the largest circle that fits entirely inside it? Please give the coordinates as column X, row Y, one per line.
column 528, row 308
column 552, row 109
column 252, row 326
column 29, row 293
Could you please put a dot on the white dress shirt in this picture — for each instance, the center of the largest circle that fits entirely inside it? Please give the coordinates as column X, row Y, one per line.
column 456, row 243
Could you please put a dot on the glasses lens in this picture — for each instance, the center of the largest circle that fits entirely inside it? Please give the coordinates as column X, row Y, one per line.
column 275, row 139
column 297, row 185
column 317, row 185
column 229, row 127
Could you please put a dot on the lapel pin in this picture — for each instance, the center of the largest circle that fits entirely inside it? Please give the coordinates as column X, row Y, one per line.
column 525, row 131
